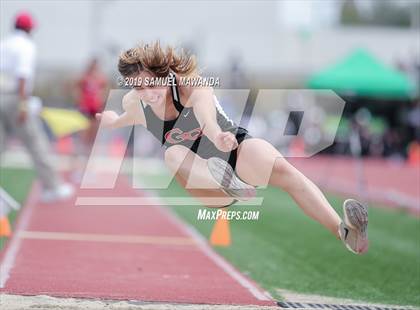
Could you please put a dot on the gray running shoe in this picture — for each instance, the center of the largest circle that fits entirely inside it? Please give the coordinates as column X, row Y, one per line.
column 353, row 229
column 230, row 183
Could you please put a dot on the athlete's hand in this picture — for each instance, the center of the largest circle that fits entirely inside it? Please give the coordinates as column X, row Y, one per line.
column 226, row 141
column 107, row 118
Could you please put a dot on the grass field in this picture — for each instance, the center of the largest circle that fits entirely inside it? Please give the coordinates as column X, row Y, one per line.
column 285, row 249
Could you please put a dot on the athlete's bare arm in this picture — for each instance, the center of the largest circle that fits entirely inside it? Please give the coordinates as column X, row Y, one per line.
column 202, row 102
column 132, row 115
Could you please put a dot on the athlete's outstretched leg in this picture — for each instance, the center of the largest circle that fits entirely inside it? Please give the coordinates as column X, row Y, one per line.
column 191, row 172
column 259, row 164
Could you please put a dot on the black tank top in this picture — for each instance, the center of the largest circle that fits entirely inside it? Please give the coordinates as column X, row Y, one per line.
column 185, row 129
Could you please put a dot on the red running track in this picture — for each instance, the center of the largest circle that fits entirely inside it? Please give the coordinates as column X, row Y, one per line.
column 393, row 184
column 117, row 252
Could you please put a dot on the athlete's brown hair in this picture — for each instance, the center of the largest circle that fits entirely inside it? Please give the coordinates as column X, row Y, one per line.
column 159, row 61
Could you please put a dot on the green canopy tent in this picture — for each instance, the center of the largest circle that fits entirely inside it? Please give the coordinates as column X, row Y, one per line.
column 361, row 74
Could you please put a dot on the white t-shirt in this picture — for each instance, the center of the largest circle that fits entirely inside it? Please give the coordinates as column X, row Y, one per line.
column 17, row 60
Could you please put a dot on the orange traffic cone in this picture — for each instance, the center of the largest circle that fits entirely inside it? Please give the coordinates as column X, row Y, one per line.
column 5, row 230
column 220, row 236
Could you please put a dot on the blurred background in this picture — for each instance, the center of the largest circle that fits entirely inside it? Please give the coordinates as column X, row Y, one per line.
column 327, row 44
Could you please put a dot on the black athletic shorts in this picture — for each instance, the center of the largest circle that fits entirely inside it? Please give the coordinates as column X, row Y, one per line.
column 211, row 151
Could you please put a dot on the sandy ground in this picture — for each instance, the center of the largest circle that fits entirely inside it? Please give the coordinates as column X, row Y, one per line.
column 305, row 298
column 42, row 302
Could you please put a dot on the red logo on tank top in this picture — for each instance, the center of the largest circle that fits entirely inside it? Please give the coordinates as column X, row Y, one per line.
column 176, row 135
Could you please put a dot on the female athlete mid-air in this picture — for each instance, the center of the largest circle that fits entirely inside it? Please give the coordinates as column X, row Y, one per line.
column 206, row 150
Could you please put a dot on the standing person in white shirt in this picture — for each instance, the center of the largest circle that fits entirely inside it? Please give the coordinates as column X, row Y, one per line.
column 17, row 66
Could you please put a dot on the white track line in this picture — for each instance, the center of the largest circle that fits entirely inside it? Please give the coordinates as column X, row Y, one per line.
column 140, row 239
column 13, row 247
column 209, row 252
column 217, row 259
